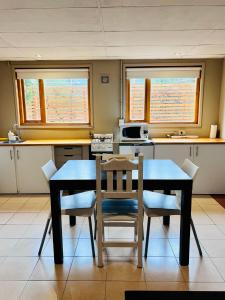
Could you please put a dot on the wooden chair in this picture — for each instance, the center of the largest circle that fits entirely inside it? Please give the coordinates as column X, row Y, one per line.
column 80, row 204
column 157, row 204
column 117, row 202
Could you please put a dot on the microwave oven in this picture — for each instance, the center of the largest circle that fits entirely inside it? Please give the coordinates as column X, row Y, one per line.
column 134, row 132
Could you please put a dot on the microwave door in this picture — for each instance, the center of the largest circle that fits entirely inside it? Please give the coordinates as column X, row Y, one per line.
column 132, row 132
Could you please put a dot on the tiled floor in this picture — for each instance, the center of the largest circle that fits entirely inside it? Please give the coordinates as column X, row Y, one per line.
column 25, row 276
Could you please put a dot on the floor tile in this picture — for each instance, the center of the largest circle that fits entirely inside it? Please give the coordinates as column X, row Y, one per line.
column 162, row 269
column 47, row 290
column 6, row 246
column 26, row 247
column 22, row 218
column 46, row 269
column 4, row 217
column 220, row 265
column 116, row 290
column 201, row 270
column 12, row 231
column 175, row 244
column 69, row 247
column 214, row 248
column 80, row 290
column 35, row 231
column 11, row 290
column 85, row 268
column 12, row 204
column 17, row 268
column 159, row 247
column 166, row 286
column 84, row 248
column 209, row 232
column 203, row 286
column 124, row 271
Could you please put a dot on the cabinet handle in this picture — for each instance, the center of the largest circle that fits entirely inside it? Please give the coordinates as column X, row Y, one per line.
column 68, row 148
column 69, row 155
column 17, row 154
column 11, row 155
column 190, row 152
column 196, row 151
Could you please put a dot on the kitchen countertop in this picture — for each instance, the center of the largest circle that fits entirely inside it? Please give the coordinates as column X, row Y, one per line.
column 83, row 142
column 157, row 141
column 75, row 142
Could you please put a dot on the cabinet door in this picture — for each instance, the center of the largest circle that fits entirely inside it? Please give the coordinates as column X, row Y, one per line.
column 29, row 160
column 177, row 153
column 7, row 170
column 211, row 176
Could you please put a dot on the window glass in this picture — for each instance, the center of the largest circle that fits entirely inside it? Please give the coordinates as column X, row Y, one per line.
column 66, row 100
column 32, row 99
column 137, row 99
column 173, row 100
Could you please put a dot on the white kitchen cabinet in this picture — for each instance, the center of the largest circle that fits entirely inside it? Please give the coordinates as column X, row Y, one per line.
column 7, row 170
column 211, row 161
column 209, row 157
column 29, row 160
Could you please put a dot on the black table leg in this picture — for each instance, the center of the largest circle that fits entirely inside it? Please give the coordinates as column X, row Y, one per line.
column 72, row 220
column 56, row 225
column 166, row 219
column 185, row 225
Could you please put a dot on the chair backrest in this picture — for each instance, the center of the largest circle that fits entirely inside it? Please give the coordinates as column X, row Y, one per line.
column 49, row 169
column 119, row 170
column 190, row 168
column 106, row 156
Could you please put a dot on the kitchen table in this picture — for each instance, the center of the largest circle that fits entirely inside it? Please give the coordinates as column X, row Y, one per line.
column 157, row 175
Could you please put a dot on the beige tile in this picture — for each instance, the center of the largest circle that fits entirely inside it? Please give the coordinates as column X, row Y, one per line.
column 175, row 244
column 11, row 290
column 12, row 204
column 159, row 247
column 3, row 199
column 71, row 232
column 120, row 251
column 85, row 268
column 6, row 246
column 221, row 228
column 162, row 269
column 200, row 217
column 116, row 290
column 46, row 290
column 17, row 268
column 33, row 205
column 35, row 231
column 80, row 290
column 5, row 217
column 214, row 248
column 69, row 247
column 26, row 247
column 40, row 218
column 166, row 286
column 22, row 218
column 220, row 265
column 124, row 271
column 12, row 231
column 209, row 232
column 204, row 200
column 201, row 270
column 206, row 286
column 46, row 269
column 84, row 248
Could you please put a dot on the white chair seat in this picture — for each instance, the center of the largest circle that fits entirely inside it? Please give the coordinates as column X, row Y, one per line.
column 156, row 204
column 78, row 204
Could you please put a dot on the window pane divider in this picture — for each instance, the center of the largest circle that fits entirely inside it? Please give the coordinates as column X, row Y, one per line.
column 42, row 101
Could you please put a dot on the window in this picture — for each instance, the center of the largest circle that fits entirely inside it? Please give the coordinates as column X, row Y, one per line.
column 53, row 97
column 168, row 95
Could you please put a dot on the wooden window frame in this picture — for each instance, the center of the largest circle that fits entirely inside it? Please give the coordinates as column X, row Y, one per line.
column 42, row 122
column 148, row 101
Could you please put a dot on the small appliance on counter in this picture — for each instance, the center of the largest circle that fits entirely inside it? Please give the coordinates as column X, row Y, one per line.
column 101, row 143
column 134, row 132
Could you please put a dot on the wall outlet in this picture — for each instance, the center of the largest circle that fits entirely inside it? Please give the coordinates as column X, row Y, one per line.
column 181, row 132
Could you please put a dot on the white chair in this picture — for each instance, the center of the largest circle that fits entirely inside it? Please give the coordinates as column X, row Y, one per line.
column 117, row 202
column 157, row 204
column 80, row 204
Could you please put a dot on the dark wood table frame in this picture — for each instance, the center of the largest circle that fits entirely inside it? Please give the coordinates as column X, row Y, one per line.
column 158, row 175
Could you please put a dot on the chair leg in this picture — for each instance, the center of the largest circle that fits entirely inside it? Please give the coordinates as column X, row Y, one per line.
column 91, row 236
column 72, row 221
column 50, row 227
column 147, row 237
column 196, row 237
column 95, row 229
column 44, row 235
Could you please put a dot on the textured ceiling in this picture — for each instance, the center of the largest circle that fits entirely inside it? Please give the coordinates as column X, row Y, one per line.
column 103, row 29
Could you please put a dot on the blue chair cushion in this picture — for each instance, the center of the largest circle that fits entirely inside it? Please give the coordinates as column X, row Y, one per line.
column 120, row 206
